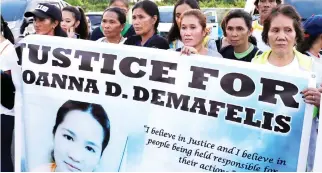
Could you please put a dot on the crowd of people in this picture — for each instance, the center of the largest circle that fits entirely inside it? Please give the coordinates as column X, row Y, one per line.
column 278, row 40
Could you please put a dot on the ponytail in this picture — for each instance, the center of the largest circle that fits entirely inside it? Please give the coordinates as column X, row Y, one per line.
column 306, row 44
column 252, row 40
column 7, row 34
column 82, row 28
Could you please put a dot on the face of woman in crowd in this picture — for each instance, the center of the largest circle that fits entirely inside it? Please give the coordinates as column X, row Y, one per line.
column 78, row 146
column 179, row 10
column 192, row 33
column 111, row 25
column 120, row 5
column 142, row 22
column 44, row 26
column 68, row 21
column 237, row 31
column 281, row 35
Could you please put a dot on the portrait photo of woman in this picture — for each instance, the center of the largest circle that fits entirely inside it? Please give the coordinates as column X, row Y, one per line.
column 80, row 135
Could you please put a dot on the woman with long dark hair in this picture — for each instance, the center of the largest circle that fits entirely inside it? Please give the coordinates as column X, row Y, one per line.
column 47, row 18
column 10, row 73
column 74, row 22
column 145, row 19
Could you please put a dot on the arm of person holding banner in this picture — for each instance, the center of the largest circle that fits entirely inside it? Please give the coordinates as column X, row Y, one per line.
column 313, row 96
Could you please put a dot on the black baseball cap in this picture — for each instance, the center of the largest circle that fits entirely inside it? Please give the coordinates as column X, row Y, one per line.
column 45, row 10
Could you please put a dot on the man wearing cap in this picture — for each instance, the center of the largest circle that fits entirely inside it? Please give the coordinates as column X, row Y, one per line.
column 47, row 18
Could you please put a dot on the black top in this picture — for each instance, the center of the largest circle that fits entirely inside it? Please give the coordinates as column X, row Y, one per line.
column 155, row 41
column 97, row 33
column 228, row 52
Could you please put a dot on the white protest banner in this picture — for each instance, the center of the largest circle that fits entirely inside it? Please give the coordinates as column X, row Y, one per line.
column 106, row 107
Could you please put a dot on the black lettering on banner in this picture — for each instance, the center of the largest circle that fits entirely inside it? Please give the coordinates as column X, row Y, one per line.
column 214, row 108
column 283, row 124
column 33, row 54
column 250, row 116
column 231, row 113
column 158, row 71
column 198, row 77
column 137, row 94
column 91, row 84
column 108, row 64
column 125, row 66
column 78, row 83
column 109, row 89
column 267, row 121
column 199, row 103
column 247, row 84
column 19, row 50
column 64, row 60
column 184, row 99
column 156, row 97
column 61, row 81
column 269, row 91
column 31, row 74
column 86, row 59
column 44, row 78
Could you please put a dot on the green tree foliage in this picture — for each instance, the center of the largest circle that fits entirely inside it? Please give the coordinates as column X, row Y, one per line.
column 100, row 5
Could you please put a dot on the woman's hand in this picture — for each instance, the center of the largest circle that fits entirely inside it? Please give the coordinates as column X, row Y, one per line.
column 312, row 96
column 186, row 50
column 71, row 32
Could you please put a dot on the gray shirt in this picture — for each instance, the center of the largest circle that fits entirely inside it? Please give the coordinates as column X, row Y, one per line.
column 214, row 53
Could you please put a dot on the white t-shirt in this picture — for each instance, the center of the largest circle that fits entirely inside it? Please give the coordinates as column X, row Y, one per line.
column 291, row 67
column 103, row 39
column 257, row 33
column 316, row 59
column 9, row 61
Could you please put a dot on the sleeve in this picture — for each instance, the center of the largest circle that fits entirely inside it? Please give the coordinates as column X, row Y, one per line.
column 165, row 45
column 212, row 45
column 10, row 83
column 96, row 34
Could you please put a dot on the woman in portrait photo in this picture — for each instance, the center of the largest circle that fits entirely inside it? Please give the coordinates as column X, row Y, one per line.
column 81, row 133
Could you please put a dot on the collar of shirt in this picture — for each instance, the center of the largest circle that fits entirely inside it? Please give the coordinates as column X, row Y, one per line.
column 138, row 43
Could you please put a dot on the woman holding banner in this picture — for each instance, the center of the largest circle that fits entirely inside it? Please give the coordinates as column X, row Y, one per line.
column 282, row 30
column 113, row 22
column 237, row 27
column 193, row 31
column 74, row 22
column 146, row 19
column 77, row 148
column 47, row 18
